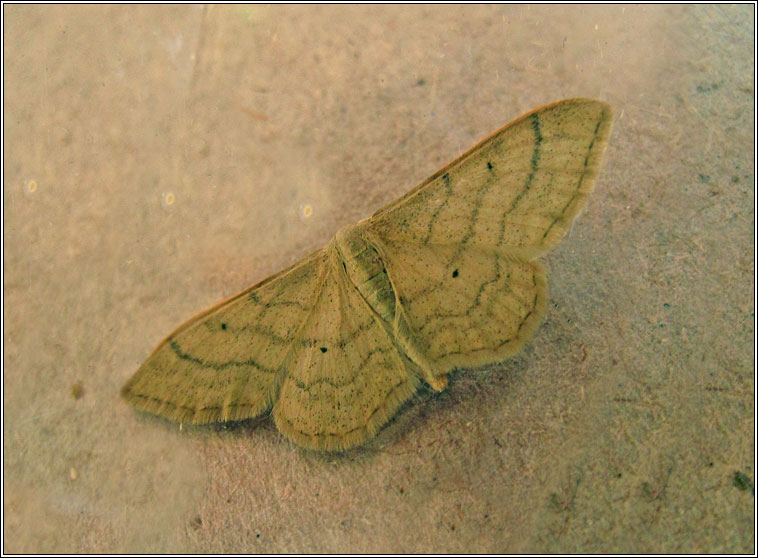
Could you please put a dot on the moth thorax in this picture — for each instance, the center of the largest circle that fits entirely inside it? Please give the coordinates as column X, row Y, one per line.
column 365, row 269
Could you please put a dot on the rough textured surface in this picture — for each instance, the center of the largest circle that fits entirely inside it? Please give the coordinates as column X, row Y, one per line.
column 159, row 159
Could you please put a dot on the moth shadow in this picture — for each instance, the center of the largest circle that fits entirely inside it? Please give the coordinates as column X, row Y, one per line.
column 432, row 410
column 237, row 428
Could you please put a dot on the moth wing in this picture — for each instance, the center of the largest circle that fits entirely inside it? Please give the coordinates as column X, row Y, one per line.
column 517, row 191
column 224, row 364
column 462, row 307
column 458, row 248
column 345, row 376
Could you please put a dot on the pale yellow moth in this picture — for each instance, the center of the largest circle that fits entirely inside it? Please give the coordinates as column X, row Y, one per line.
column 442, row 278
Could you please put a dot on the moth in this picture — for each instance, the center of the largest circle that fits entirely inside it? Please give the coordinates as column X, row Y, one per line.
column 442, row 278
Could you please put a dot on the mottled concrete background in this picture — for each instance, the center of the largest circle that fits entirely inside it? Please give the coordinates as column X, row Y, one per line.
column 625, row 426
